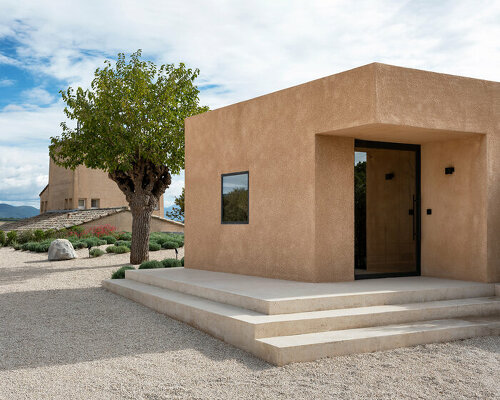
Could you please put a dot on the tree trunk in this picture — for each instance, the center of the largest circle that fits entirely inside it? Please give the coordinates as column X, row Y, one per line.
column 142, row 186
column 141, row 220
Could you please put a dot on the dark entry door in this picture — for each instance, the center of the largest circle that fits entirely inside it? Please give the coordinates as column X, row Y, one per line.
column 387, row 209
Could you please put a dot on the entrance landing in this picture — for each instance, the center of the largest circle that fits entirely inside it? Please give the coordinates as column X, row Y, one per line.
column 285, row 321
column 276, row 296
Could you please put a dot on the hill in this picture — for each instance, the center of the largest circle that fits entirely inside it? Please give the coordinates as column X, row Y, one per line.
column 8, row 211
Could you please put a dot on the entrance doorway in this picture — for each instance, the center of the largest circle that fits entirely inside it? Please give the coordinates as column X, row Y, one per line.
column 386, row 209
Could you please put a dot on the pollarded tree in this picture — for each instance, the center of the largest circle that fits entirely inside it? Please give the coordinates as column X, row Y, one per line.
column 131, row 125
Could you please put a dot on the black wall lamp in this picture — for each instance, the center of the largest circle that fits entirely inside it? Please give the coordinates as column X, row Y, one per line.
column 449, row 170
column 389, row 176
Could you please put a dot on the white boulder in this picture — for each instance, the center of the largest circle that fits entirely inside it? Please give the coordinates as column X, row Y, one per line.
column 61, row 249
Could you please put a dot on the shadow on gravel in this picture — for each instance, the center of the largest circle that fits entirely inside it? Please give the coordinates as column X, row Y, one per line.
column 55, row 327
column 18, row 274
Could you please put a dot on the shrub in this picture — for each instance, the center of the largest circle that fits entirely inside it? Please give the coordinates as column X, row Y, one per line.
column 50, row 233
column 11, row 238
column 25, row 236
column 171, row 263
column 61, row 233
column 43, row 247
column 109, row 239
column 117, row 249
column 15, row 245
column 38, row 235
column 153, row 246
column 2, row 238
column 151, row 265
column 124, row 236
column 120, row 273
column 96, row 253
column 100, row 231
column 90, row 242
column 170, row 245
column 182, row 261
column 78, row 244
column 126, row 243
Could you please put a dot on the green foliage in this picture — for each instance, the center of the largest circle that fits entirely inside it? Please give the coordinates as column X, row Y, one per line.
column 171, row 263
column 132, row 110
column 182, row 261
column 77, row 229
column 11, row 238
column 25, row 236
column 235, row 204
column 126, row 243
column 170, row 244
column 153, row 246
column 109, row 239
column 120, row 273
column 2, row 238
column 39, row 235
column 124, row 236
column 117, row 249
column 15, row 245
column 177, row 214
column 50, row 233
column 96, row 252
column 151, row 265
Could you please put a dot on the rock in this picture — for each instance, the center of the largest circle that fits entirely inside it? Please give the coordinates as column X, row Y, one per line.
column 61, row 249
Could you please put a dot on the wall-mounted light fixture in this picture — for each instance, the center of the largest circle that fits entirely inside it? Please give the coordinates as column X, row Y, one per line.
column 389, row 176
column 449, row 170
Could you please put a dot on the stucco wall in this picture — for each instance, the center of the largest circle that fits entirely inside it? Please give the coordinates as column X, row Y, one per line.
column 84, row 183
column 454, row 236
column 334, row 205
column 123, row 222
column 275, row 138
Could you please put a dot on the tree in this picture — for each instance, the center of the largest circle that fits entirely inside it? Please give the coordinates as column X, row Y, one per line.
column 177, row 213
column 130, row 123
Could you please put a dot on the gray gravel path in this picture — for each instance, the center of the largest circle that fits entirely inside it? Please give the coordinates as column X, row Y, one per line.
column 64, row 337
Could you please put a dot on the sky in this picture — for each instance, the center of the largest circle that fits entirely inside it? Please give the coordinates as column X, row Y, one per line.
column 243, row 49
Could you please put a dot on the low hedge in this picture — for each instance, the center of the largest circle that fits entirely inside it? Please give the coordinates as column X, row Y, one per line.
column 120, row 273
column 151, row 265
column 117, row 249
column 170, row 245
column 96, row 252
column 126, row 243
column 109, row 239
column 171, row 263
column 153, row 246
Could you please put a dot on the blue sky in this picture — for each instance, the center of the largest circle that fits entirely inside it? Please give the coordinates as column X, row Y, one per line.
column 243, row 49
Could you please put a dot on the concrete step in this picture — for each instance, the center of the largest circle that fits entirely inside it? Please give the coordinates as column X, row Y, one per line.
column 274, row 296
column 361, row 317
column 283, row 350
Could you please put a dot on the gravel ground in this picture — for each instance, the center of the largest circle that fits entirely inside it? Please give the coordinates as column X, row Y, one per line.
column 64, row 337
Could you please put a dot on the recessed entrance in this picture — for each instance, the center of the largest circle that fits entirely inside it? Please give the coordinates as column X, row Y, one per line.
column 386, row 209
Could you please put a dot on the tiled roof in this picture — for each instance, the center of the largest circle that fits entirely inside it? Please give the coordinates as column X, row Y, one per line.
column 60, row 219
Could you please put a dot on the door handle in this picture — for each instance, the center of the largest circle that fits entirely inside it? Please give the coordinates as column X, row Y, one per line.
column 414, row 215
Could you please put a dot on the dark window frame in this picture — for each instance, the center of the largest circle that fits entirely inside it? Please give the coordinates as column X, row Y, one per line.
column 222, row 199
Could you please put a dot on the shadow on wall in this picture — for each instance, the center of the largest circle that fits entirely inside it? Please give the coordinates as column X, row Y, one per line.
column 56, row 327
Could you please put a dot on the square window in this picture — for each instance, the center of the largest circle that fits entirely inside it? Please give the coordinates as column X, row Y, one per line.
column 94, row 203
column 235, row 198
column 81, row 204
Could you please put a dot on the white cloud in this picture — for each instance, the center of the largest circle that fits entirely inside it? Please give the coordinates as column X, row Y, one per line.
column 6, row 82
column 24, row 174
column 38, row 96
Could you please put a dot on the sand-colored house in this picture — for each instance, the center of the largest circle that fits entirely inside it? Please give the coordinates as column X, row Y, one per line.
column 82, row 188
column 87, row 197
column 295, row 198
column 298, row 147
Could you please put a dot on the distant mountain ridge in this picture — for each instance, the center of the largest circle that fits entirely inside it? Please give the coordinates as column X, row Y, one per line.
column 8, row 211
